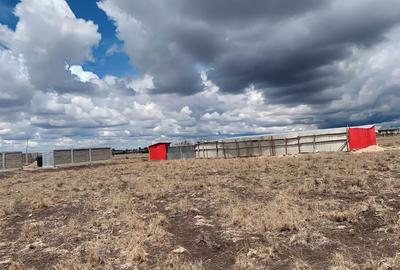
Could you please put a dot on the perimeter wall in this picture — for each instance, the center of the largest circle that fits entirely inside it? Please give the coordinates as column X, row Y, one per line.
column 81, row 156
column 330, row 140
column 11, row 160
column 181, row 152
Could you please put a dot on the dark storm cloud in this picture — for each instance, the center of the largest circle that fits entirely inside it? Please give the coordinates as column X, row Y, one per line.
column 287, row 48
column 244, row 12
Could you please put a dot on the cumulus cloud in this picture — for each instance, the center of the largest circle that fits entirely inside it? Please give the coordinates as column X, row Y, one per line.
column 287, row 49
column 206, row 69
column 15, row 88
column 48, row 35
column 326, row 56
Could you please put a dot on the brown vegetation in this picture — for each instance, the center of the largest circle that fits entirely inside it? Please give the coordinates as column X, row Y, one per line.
column 323, row 211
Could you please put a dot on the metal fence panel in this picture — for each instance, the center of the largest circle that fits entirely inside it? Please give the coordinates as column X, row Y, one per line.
column 181, row 152
column 277, row 145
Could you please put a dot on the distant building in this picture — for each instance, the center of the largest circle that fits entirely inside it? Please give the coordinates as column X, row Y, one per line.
column 389, row 131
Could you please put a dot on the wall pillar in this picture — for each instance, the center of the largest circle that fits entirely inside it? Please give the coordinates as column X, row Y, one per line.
column 3, row 160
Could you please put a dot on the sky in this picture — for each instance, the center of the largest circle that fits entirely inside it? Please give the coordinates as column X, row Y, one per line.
column 127, row 73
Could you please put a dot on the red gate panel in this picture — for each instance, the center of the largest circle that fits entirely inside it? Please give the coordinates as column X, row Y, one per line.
column 158, row 151
column 360, row 138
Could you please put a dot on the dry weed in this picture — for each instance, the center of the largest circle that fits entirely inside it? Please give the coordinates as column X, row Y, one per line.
column 178, row 263
column 281, row 214
column 301, row 265
column 9, row 208
column 17, row 266
column 341, row 262
column 32, row 230
column 95, row 254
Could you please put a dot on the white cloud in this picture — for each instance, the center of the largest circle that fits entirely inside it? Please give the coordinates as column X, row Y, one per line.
column 15, row 88
column 48, row 35
column 5, row 35
column 149, row 111
column 142, row 84
column 46, row 94
column 83, row 76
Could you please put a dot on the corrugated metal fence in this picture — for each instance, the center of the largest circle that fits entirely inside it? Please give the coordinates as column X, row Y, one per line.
column 181, row 152
column 329, row 140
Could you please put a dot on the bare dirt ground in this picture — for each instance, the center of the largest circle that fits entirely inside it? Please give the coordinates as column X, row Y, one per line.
column 322, row 211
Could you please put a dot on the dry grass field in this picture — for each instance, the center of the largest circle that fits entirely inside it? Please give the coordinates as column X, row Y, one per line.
column 389, row 142
column 323, row 211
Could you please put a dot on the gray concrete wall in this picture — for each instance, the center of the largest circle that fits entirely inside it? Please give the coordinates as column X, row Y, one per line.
column 12, row 160
column 100, row 154
column 81, row 155
column 62, row 157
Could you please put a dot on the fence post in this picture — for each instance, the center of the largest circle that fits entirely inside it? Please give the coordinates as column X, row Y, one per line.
column 286, row 150
column 259, row 147
column 298, row 144
column 3, row 160
column 216, row 145
column 314, row 144
column 273, row 146
column 90, row 155
column 72, row 156
column 223, row 149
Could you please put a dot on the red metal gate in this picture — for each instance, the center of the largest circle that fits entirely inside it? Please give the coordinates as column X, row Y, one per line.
column 360, row 138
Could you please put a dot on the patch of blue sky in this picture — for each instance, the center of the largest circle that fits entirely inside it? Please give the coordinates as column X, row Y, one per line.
column 105, row 62
column 7, row 16
column 108, row 57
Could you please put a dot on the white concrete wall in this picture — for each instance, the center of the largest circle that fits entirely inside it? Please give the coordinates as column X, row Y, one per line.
column 329, row 140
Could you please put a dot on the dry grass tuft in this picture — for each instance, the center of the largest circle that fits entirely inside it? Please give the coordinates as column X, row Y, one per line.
column 17, row 266
column 178, row 263
column 281, row 214
column 301, row 265
column 341, row 262
column 70, row 265
column 32, row 230
column 95, row 254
